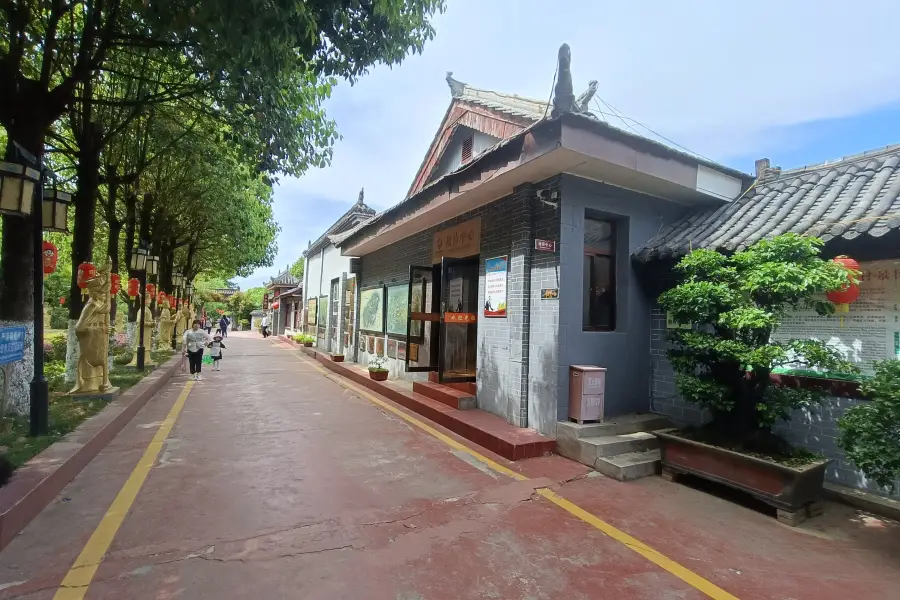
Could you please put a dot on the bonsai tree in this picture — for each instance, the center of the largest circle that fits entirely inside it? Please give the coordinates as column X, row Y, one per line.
column 735, row 302
column 870, row 431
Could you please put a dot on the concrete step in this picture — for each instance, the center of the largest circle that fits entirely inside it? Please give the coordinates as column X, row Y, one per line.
column 586, row 450
column 629, row 466
column 453, row 398
column 614, row 426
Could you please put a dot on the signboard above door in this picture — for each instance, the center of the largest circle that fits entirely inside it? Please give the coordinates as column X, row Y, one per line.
column 459, row 241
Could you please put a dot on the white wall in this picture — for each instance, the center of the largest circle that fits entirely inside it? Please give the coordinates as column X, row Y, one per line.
column 313, row 269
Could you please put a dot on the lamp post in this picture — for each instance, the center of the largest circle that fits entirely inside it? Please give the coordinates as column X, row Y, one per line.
column 189, row 292
column 47, row 210
column 139, row 264
column 177, row 280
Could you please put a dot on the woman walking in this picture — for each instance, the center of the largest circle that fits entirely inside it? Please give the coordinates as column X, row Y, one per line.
column 195, row 339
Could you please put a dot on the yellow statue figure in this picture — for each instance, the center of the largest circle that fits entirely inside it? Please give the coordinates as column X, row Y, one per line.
column 148, row 333
column 92, row 331
column 166, row 324
column 184, row 319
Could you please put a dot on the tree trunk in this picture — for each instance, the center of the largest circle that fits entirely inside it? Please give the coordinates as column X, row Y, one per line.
column 85, row 201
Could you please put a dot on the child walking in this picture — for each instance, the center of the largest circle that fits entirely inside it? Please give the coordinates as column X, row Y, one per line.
column 215, row 350
column 192, row 344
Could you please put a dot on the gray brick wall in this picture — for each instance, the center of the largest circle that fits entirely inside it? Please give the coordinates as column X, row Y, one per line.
column 517, row 354
column 814, row 429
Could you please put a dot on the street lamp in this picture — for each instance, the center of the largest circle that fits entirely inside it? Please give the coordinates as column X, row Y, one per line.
column 189, row 292
column 17, row 183
column 139, row 264
column 55, row 211
column 18, row 198
column 177, row 280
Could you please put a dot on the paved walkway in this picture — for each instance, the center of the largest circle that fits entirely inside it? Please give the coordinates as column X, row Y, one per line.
column 276, row 481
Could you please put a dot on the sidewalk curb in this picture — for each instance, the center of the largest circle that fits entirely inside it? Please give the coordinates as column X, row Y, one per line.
column 37, row 482
column 879, row 505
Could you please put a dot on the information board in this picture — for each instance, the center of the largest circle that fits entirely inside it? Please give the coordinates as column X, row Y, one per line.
column 870, row 331
column 12, row 344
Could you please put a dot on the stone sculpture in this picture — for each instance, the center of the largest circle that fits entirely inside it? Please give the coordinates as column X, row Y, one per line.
column 148, row 325
column 563, row 96
column 92, row 331
column 166, row 324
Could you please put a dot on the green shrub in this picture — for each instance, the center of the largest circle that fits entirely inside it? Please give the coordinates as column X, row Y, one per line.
column 55, row 347
column 59, row 317
column 870, row 431
column 724, row 362
column 124, row 357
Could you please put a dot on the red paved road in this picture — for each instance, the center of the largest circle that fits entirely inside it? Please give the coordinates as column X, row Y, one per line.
column 276, row 482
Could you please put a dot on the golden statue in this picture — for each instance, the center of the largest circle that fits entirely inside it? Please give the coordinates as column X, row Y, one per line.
column 184, row 319
column 148, row 333
column 92, row 331
column 166, row 324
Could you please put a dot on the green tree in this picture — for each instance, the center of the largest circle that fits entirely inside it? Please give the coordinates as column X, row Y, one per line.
column 297, row 268
column 870, row 431
column 735, row 302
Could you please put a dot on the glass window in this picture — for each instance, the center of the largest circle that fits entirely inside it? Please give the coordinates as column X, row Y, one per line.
column 599, row 301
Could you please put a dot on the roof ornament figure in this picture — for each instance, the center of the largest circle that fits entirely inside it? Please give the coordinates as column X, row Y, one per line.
column 362, row 194
column 563, row 96
column 456, row 87
column 583, row 103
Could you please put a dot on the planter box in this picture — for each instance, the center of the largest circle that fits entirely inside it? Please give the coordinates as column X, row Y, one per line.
column 794, row 492
column 337, row 358
column 378, row 375
column 307, row 344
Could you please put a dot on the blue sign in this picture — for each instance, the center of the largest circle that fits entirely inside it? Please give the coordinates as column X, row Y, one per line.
column 12, row 344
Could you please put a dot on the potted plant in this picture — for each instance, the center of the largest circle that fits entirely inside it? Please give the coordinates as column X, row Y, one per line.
column 869, row 431
column 337, row 357
column 377, row 370
column 724, row 362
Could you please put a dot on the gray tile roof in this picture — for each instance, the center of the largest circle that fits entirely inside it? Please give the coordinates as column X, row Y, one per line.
column 845, row 198
column 284, row 278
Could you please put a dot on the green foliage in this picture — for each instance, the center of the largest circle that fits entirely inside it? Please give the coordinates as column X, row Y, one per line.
column 59, row 317
column 735, row 303
column 57, row 344
column 870, row 431
column 297, row 268
column 378, row 363
column 302, row 338
column 241, row 304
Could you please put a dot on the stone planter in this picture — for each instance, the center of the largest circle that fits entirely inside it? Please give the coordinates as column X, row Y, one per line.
column 337, row 357
column 307, row 344
column 793, row 492
column 381, row 375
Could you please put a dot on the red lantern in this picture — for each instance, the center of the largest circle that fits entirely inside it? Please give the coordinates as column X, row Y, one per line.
column 50, row 256
column 275, row 305
column 86, row 271
column 115, row 284
column 172, row 302
column 134, row 288
column 849, row 292
column 151, row 290
column 161, row 298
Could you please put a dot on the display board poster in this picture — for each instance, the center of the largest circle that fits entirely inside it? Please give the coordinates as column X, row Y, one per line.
column 869, row 332
column 371, row 310
column 311, row 311
column 495, row 271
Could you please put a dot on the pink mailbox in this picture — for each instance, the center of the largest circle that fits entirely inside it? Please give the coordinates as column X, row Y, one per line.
column 587, row 385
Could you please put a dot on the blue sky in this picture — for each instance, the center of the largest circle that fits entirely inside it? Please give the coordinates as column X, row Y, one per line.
column 798, row 82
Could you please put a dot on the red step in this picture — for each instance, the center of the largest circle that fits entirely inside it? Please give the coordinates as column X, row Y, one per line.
column 468, row 386
column 482, row 428
column 445, row 395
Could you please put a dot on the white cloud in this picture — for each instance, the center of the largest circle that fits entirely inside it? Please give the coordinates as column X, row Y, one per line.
column 725, row 79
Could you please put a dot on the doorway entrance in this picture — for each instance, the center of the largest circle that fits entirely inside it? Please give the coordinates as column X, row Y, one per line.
column 442, row 319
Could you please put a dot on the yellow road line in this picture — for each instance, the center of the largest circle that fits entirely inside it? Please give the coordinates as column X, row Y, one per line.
column 76, row 582
column 657, row 558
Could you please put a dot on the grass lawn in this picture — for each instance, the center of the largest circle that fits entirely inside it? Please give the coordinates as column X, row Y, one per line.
column 65, row 413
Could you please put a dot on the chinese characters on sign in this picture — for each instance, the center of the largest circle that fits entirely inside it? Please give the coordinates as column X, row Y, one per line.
column 459, row 241
column 460, row 318
column 12, row 344
column 870, row 331
column 495, row 270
